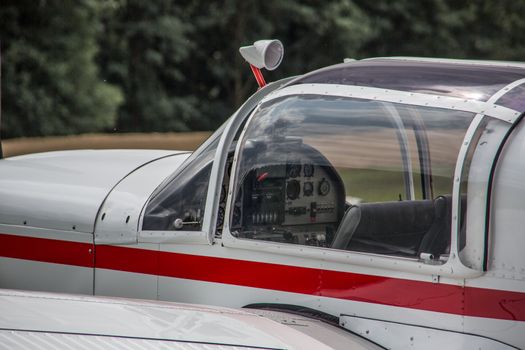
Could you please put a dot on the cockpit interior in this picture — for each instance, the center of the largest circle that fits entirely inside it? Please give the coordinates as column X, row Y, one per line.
column 358, row 180
column 292, row 194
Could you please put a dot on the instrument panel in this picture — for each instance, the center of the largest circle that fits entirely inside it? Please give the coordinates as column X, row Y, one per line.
column 295, row 202
column 309, row 196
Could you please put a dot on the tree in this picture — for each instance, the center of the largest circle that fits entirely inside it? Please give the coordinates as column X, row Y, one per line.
column 144, row 45
column 51, row 83
column 177, row 61
column 217, row 75
column 446, row 28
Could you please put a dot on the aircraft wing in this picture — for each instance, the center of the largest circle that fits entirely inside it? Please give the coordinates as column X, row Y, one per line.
column 35, row 320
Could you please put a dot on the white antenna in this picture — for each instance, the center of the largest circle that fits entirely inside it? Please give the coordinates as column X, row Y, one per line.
column 263, row 54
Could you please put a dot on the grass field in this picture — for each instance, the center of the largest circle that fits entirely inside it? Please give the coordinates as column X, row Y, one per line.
column 367, row 184
column 176, row 141
column 380, row 186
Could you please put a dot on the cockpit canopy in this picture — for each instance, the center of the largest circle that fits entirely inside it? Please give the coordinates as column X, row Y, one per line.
column 306, row 160
column 383, row 156
column 473, row 80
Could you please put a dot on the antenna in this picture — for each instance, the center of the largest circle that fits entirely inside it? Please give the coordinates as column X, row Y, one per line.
column 263, row 54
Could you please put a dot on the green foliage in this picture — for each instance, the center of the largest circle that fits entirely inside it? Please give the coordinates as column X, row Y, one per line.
column 446, row 28
column 217, row 76
column 50, row 78
column 166, row 65
column 144, row 47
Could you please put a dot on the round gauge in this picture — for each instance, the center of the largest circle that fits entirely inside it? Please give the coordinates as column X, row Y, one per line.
column 308, row 170
column 293, row 188
column 220, row 217
column 324, row 187
column 308, row 188
column 293, row 170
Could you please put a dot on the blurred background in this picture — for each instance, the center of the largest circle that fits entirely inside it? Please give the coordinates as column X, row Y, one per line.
column 163, row 73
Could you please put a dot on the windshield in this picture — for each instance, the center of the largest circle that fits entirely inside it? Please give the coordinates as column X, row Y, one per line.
column 180, row 203
column 349, row 174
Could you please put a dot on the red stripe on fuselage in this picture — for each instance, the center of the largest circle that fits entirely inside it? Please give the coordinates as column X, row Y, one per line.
column 294, row 279
column 439, row 297
column 47, row 250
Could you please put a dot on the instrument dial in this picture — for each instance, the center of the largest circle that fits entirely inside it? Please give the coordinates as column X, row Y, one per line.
column 293, row 188
column 324, row 187
column 308, row 188
column 308, row 170
column 294, row 170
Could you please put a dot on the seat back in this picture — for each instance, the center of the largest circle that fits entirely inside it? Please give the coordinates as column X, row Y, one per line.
column 347, row 227
column 404, row 228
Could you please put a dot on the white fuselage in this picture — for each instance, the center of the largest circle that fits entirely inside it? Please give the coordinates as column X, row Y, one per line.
column 72, row 222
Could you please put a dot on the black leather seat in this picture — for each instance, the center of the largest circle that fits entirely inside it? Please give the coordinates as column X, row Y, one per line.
column 404, row 228
column 437, row 240
column 347, row 227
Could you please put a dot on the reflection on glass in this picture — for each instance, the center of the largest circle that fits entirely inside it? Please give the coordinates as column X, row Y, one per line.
column 514, row 99
column 465, row 81
column 180, row 204
column 333, row 172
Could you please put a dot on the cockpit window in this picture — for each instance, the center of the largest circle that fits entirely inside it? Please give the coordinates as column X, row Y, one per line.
column 476, row 82
column 180, row 204
column 349, row 174
column 514, row 99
